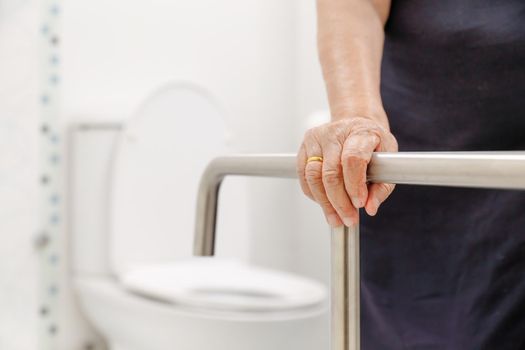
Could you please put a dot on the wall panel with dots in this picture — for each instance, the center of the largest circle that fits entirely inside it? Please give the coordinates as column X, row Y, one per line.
column 51, row 226
column 61, row 325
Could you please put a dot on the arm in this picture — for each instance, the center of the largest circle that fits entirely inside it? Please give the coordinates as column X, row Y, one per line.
column 350, row 40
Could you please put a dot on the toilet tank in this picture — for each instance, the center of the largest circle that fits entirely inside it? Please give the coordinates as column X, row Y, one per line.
column 91, row 146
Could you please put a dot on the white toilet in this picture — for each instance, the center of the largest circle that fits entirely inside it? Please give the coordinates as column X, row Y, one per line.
column 132, row 206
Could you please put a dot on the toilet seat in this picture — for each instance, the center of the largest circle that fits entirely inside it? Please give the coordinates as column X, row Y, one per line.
column 225, row 286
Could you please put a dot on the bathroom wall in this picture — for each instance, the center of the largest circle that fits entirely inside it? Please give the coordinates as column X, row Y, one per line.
column 257, row 56
column 116, row 52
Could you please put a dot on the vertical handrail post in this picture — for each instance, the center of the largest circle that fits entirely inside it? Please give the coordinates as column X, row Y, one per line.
column 345, row 289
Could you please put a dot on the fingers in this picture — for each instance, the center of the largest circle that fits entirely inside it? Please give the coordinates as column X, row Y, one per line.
column 301, row 166
column 378, row 193
column 356, row 154
column 314, row 180
column 333, row 181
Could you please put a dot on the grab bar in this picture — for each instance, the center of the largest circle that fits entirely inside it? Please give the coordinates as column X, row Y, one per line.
column 503, row 170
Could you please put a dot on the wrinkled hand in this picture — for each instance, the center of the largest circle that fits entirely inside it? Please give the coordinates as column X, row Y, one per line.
column 338, row 182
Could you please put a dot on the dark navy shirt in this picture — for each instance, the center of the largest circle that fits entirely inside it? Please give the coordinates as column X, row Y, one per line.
column 444, row 268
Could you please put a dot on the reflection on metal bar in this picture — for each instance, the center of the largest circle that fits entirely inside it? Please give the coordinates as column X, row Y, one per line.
column 465, row 169
column 504, row 170
column 345, row 289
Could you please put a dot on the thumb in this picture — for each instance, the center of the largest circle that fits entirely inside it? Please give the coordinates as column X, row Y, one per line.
column 377, row 194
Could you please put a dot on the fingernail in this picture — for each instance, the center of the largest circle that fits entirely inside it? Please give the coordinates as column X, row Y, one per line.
column 334, row 220
column 356, row 202
column 348, row 221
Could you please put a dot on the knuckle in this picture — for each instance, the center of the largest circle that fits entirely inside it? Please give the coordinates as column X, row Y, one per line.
column 325, row 204
column 356, row 155
column 375, row 138
column 373, row 134
column 342, row 209
column 332, row 177
column 313, row 175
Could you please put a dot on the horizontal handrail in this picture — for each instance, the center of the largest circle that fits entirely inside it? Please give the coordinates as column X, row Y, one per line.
column 503, row 170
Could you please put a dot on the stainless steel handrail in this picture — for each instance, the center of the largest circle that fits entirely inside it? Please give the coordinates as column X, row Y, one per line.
column 504, row 170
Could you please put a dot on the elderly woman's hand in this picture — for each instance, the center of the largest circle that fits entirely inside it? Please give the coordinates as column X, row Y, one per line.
column 337, row 181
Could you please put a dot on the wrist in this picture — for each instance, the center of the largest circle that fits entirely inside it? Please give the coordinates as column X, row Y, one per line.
column 374, row 112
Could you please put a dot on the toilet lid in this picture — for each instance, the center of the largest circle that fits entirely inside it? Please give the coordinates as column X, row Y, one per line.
column 157, row 164
column 215, row 284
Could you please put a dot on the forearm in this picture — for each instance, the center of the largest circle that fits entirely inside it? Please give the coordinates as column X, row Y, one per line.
column 350, row 41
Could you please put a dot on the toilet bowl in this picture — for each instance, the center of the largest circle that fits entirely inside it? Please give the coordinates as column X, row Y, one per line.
column 144, row 312
column 224, row 287
column 133, row 198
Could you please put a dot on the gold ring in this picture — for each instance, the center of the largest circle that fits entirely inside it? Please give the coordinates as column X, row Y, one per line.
column 314, row 159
